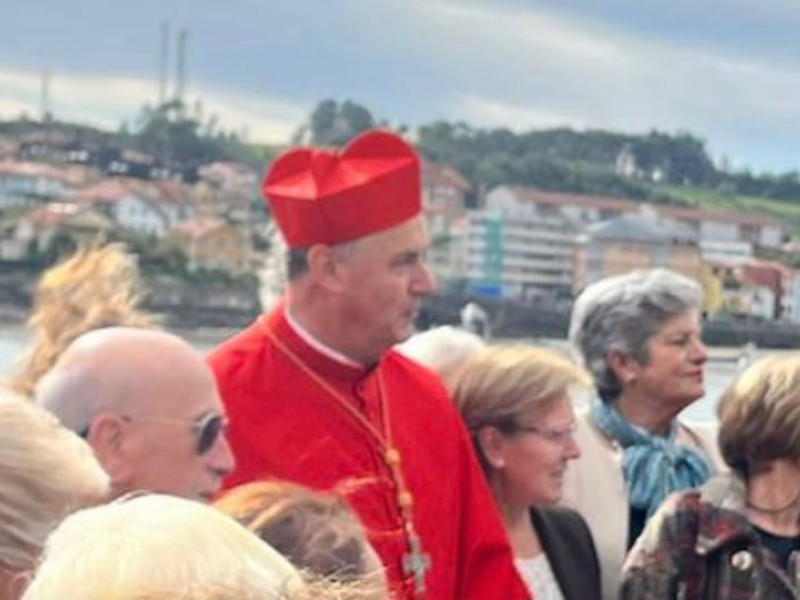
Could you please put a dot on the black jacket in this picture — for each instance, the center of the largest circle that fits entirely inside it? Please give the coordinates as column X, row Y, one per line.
column 570, row 549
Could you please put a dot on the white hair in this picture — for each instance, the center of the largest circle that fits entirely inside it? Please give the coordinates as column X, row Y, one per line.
column 441, row 349
column 102, row 370
column 46, row 472
column 76, row 395
column 156, row 546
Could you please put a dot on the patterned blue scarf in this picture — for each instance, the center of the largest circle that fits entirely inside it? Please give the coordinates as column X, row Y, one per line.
column 653, row 466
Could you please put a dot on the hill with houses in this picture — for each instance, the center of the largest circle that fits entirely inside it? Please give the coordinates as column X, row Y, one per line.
column 520, row 219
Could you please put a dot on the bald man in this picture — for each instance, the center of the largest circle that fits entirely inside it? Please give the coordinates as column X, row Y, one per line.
column 148, row 405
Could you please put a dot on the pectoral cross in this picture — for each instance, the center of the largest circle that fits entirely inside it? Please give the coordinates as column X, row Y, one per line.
column 415, row 564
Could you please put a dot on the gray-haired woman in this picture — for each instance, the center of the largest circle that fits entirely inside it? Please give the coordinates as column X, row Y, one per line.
column 638, row 334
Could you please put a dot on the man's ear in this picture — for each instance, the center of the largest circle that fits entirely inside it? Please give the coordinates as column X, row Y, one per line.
column 625, row 367
column 107, row 439
column 325, row 267
column 492, row 444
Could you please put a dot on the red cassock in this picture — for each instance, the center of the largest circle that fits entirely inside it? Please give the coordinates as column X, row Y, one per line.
column 285, row 425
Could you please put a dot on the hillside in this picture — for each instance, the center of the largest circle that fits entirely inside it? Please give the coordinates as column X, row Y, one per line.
column 653, row 167
column 659, row 167
column 786, row 211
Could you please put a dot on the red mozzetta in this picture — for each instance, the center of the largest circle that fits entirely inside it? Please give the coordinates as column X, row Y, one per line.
column 284, row 424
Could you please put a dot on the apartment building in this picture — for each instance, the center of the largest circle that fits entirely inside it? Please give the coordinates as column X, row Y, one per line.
column 519, row 256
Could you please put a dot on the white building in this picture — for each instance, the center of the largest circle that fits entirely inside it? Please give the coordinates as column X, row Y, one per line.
column 579, row 209
column 791, row 304
column 447, row 255
column 714, row 250
column 147, row 208
column 517, row 255
column 726, row 226
column 706, row 225
column 134, row 213
column 26, row 183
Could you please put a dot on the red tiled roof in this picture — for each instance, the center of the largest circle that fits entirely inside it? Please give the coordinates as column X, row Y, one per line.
column 55, row 214
column 52, row 214
column 433, row 173
column 106, row 191
column 766, row 274
column 198, row 227
column 563, row 199
column 227, row 170
column 160, row 192
column 685, row 213
column 34, row 169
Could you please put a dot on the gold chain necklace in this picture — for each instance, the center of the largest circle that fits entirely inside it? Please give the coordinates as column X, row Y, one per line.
column 415, row 561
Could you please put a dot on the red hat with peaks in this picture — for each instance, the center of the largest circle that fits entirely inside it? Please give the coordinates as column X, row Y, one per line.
column 323, row 197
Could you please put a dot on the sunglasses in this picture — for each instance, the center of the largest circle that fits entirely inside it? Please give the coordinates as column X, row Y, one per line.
column 207, row 428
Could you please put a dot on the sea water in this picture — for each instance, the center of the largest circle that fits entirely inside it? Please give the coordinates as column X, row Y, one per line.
column 719, row 372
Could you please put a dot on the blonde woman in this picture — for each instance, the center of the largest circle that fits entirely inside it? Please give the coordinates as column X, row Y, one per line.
column 96, row 287
column 45, row 473
column 516, row 403
column 158, row 546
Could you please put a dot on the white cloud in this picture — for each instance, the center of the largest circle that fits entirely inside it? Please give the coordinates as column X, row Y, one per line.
column 492, row 113
column 530, row 67
column 267, row 119
column 106, row 101
column 11, row 109
column 495, row 63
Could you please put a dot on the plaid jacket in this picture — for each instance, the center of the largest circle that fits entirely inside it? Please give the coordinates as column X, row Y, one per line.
column 700, row 546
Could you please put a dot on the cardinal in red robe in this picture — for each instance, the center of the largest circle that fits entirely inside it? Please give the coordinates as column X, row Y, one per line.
column 316, row 395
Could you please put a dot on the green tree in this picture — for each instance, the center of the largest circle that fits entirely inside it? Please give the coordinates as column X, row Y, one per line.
column 168, row 134
column 332, row 124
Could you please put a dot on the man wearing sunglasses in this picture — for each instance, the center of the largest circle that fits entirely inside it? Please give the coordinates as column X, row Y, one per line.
column 148, row 405
column 317, row 396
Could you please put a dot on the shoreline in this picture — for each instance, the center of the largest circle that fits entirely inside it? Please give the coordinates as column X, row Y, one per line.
column 17, row 320
column 211, row 334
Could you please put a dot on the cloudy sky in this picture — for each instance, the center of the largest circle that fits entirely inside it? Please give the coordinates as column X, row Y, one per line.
column 726, row 70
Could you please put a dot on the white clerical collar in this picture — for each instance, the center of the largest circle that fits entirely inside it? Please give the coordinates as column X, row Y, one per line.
column 317, row 345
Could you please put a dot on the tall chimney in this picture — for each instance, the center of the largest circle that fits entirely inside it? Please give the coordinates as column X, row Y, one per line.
column 180, row 68
column 163, row 64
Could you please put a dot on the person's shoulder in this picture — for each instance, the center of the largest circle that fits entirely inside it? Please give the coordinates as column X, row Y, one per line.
column 704, row 435
column 702, row 431
column 562, row 514
column 670, row 531
column 590, row 439
column 236, row 350
column 412, row 370
column 565, row 519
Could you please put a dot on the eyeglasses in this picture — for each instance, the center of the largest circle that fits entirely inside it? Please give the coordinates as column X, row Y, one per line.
column 556, row 436
column 207, row 428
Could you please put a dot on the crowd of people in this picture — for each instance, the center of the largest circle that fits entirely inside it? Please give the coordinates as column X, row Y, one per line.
column 327, row 452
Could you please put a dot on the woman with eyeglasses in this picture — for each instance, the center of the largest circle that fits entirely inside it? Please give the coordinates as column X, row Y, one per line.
column 516, row 403
column 638, row 334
